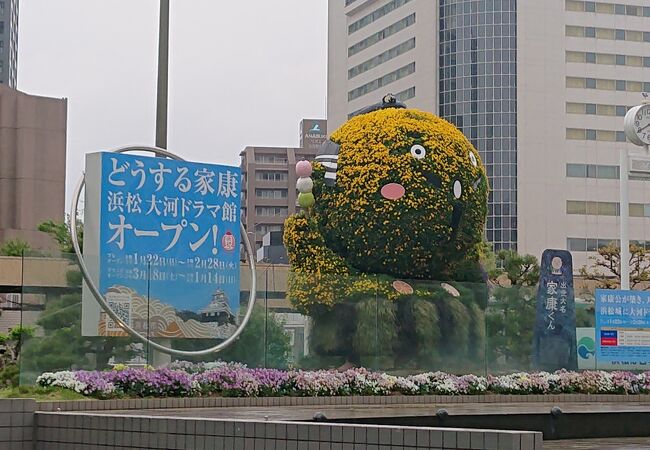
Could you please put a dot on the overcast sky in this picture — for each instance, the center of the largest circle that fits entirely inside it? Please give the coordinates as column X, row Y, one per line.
column 241, row 73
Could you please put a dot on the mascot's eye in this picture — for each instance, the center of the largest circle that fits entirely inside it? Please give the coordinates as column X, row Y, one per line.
column 418, row 151
column 473, row 159
column 458, row 189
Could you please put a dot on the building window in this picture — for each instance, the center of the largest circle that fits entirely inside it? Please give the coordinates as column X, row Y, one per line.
column 593, row 244
column 574, row 5
column 576, row 170
column 604, row 58
column 262, row 175
column 607, row 33
column 382, row 81
column 576, row 244
column 620, row 136
column 271, row 193
column 380, row 35
column 2, row 27
column 592, row 171
column 270, row 159
column 405, row 94
column 263, row 228
column 602, row 208
column 381, row 58
column 590, row 6
column 619, row 9
column 272, row 211
column 590, row 83
column 375, row 15
column 576, row 207
column 590, row 208
column 620, row 85
column 590, row 135
column 607, row 172
column 596, row 109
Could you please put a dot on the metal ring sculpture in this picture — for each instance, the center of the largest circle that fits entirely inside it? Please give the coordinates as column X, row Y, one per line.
column 104, row 304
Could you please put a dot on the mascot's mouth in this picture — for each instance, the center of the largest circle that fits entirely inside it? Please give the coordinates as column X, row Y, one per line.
column 433, row 180
column 457, row 212
column 456, row 215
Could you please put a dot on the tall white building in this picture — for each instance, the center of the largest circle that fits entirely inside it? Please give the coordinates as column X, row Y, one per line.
column 539, row 87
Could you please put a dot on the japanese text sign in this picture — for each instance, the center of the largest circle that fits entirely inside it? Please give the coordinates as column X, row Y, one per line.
column 623, row 328
column 163, row 238
column 554, row 344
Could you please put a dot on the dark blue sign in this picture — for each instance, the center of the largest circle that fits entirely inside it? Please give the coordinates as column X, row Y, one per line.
column 623, row 328
column 554, row 345
column 168, row 244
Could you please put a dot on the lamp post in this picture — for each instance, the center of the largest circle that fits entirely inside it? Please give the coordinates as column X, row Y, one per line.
column 163, row 70
column 637, row 130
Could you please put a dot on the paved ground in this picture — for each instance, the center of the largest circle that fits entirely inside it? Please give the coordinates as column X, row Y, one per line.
column 298, row 413
column 348, row 411
column 599, row 444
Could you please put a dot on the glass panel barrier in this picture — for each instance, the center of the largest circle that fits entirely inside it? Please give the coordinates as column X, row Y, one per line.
column 397, row 326
column 212, row 315
column 510, row 324
column 52, row 304
column 300, row 321
column 440, row 326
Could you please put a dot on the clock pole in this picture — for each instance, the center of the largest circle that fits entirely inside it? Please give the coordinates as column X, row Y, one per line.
column 625, row 218
column 634, row 136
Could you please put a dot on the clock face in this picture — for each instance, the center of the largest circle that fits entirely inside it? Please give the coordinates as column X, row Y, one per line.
column 642, row 124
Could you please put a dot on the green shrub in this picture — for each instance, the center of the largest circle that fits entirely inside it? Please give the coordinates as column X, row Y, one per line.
column 14, row 247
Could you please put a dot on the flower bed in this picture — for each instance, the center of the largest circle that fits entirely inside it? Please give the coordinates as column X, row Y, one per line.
column 234, row 380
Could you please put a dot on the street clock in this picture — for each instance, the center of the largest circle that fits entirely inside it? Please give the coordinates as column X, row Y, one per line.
column 637, row 125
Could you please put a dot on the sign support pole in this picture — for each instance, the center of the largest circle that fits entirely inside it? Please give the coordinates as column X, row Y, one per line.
column 163, row 64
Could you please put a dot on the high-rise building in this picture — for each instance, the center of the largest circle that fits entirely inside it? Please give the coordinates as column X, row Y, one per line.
column 539, row 87
column 32, row 165
column 269, row 180
column 376, row 47
column 8, row 42
column 581, row 66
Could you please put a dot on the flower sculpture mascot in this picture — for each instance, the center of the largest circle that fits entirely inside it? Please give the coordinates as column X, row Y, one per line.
column 396, row 198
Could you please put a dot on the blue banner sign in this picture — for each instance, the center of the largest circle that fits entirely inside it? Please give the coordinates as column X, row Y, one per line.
column 623, row 328
column 554, row 345
column 163, row 239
